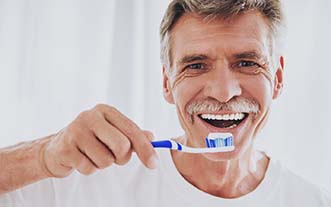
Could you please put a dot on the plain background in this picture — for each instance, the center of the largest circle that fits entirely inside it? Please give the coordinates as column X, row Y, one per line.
column 58, row 58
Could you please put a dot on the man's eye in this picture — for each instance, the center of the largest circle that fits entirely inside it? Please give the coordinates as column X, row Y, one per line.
column 248, row 67
column 196, row 66
column 247, row 64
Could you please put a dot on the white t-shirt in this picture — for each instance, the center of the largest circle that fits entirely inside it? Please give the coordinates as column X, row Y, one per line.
column 133, row 185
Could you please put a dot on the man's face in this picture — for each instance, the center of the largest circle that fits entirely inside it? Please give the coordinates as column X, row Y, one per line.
column 221, row 62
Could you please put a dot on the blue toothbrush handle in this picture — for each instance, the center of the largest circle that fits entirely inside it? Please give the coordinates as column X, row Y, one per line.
column 162, row 144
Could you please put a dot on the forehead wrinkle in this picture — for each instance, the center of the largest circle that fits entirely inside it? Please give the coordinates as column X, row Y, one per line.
column 250, row 50
column 250, row 55
column 192, row 23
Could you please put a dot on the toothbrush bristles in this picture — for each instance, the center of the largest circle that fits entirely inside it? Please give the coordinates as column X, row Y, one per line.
column 219, row 142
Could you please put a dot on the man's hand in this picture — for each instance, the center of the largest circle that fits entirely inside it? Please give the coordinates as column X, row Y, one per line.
column 96, row 139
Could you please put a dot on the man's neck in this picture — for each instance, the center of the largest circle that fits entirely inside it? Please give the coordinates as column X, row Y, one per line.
column 226, row 179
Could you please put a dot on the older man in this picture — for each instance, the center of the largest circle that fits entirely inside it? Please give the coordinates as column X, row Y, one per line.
column 221, row 69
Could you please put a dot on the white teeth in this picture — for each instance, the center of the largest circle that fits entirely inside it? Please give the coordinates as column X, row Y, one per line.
column 232, row 126
column 239, row 116
column 226, row 117
column 236, row 116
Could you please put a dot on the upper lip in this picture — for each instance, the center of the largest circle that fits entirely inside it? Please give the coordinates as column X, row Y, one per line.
column 221, row 112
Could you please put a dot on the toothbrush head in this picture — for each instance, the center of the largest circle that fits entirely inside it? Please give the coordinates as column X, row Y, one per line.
column 216, row 142
column 220, row 140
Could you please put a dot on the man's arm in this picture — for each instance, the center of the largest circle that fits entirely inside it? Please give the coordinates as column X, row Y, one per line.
column 96, row 139
column 21, row 165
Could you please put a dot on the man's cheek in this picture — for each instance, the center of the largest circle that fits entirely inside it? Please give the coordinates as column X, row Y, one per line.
column 180, row 77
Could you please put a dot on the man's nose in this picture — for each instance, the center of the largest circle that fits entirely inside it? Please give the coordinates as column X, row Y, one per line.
column 222, row 85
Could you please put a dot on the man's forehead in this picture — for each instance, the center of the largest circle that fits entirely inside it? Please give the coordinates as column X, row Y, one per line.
column 250, row 21
column 192, row 34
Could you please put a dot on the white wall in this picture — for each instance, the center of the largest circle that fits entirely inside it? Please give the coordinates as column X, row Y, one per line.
column 58, row 58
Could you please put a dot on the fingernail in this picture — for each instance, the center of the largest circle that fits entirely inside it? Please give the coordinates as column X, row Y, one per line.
column 149, row 135
column 152, row 136
column 153, row 162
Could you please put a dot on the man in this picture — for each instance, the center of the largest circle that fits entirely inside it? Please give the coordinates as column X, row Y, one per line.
column 222, row 69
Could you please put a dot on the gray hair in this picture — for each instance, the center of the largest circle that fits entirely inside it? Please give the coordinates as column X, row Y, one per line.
column 224, row 9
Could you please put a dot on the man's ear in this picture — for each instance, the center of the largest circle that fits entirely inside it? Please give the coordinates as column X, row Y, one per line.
column 278, row 81
column 167, row 92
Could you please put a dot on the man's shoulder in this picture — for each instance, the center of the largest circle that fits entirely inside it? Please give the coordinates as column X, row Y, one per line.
column 296, row 187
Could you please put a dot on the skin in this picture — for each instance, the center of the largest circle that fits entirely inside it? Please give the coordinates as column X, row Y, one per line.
column 216, row 69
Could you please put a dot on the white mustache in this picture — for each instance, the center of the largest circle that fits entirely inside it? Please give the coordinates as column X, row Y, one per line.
column 236, row 104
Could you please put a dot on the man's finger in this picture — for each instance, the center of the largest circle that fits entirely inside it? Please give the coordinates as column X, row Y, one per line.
column 115, row 140
column 96, row 151
column 79, row 161
column 140, row 142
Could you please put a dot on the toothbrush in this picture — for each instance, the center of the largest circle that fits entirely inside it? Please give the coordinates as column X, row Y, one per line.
column 216, row 142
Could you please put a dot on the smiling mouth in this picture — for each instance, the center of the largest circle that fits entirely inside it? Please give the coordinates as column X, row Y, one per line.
column 224, row 121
